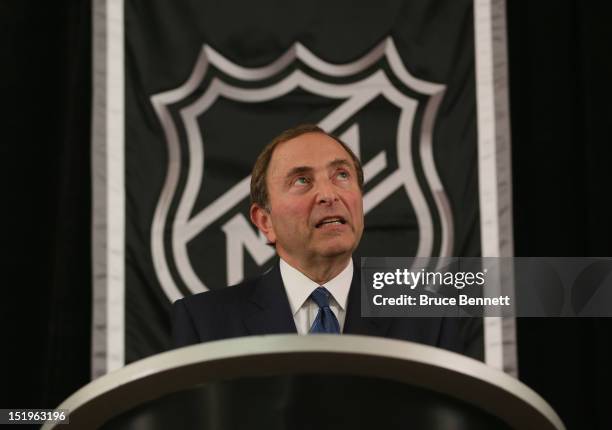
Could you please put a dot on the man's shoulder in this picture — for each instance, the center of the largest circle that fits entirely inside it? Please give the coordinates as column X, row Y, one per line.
column 221, row 296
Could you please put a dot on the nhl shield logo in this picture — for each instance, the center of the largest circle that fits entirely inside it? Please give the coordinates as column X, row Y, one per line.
column 216, row 123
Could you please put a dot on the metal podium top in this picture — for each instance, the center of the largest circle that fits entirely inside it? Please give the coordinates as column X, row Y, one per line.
column 432, row 368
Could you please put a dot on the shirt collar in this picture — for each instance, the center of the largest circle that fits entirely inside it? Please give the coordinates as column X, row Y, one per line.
column 299, row 286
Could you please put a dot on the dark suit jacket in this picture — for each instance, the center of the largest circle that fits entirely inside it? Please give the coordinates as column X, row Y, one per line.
column 260, row 306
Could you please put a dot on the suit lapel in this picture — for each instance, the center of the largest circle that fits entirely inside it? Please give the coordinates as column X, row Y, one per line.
column 267, row 310
column 354, row 322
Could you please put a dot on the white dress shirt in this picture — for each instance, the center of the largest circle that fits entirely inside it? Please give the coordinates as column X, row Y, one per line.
column 299, row 287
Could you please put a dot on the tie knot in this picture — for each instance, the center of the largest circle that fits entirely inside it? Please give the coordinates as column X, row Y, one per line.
column 321, row 297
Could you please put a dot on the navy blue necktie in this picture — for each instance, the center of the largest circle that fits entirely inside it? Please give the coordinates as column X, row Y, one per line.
column 326, row 321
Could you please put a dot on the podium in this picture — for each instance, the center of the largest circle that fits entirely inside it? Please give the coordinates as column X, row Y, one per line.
column 307, row 382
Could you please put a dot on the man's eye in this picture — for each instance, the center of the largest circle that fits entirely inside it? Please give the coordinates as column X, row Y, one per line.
column 343, row 175
column 302, row 180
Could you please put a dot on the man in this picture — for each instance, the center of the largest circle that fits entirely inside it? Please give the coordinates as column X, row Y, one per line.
column 306, row 195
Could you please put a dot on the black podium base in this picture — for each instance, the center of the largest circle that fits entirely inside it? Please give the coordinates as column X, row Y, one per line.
column 306, row 402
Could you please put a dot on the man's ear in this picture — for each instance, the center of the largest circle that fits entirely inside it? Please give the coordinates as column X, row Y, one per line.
column 261, row 218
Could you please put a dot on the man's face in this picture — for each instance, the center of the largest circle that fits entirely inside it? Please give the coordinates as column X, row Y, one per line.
column 316, row 207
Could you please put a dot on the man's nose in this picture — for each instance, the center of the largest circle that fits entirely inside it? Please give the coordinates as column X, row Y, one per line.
column 326, row 194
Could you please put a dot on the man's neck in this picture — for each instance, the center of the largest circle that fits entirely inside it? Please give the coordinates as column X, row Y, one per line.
column 319, row 271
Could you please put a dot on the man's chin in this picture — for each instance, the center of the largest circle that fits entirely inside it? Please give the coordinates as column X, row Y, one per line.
column 333, row 250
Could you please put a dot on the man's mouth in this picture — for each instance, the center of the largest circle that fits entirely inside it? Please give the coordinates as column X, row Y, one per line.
column 331, row 220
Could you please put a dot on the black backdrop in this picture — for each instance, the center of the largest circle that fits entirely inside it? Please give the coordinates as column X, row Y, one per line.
column 560, row 69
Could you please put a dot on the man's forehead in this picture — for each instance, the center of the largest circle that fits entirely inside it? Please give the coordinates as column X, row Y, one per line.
column 312, row 150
